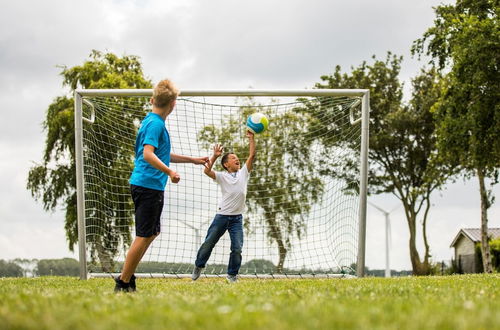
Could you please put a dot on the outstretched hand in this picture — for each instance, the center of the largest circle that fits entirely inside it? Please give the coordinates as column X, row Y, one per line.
column 218, row 150
column 250, row 135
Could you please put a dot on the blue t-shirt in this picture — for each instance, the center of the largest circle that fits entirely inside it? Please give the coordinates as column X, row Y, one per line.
column 152, row 132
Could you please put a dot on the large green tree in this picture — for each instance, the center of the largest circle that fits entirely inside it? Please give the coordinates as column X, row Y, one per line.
column 53, row 181
column 285, row 179
column 465, row 43
column 402, row 142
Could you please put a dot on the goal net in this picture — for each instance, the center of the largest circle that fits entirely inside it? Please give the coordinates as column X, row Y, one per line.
column 302, row 213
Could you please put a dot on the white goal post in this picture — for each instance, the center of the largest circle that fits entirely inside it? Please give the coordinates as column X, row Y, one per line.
column 351, row 104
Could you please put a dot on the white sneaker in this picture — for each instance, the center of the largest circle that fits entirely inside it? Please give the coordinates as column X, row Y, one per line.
column 196, row 273
column 232, row 278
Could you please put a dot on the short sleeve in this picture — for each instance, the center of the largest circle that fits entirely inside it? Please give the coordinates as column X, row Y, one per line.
column 244, row 172
column 153, row 132
column 218, row 176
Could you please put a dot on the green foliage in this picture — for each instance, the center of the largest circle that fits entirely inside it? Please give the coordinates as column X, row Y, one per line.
column 381, row 273
column 386, row 94
column 258, row 266
column 286, row 180
column 10, row 269
column 53, row 181
column 444, row 302
column 27, row 265
column 466, row 37
column 58, row 267
column 252, row 267
column 402, row 140
column 465, row 40
column 495, row 254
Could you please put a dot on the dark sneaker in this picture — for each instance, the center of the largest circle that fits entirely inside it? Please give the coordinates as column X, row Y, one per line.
column 121, row 286
column 232, row 278
column 132, row 284
column 196, row 273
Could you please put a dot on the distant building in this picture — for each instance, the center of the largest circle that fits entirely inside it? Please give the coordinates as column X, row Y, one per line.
column 464, row 245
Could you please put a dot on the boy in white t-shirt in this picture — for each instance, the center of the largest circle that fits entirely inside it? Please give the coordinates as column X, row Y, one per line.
column 233, row 184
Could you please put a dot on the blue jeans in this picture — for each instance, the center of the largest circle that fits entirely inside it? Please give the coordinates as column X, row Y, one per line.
column 221, row 223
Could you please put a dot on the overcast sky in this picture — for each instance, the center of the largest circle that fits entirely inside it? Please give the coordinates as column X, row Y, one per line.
column 201, row 44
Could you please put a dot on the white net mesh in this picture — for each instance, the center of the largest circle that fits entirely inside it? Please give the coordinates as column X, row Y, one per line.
column 302, row 211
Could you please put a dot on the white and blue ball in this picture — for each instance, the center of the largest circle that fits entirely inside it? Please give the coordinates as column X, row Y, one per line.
column 257, row 123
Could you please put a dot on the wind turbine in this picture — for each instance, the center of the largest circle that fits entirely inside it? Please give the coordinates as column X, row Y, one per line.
column 387, row 236
column 196, row 230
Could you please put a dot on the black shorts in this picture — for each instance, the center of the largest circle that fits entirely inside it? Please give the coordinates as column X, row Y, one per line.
column 148, row 206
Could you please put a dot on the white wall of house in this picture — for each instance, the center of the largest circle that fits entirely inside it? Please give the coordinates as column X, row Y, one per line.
column 463, row 246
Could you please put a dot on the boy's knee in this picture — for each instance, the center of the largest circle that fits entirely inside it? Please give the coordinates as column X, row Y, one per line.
column 207, row 245
column 212, row 239
column 236, row 250
column 236, row 246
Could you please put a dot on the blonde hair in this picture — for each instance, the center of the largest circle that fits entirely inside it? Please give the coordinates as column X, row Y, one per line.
column 164, row 93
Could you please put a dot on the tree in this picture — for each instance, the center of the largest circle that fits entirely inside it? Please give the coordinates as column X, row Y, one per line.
column 402, row 143
column 53, row 181
column 465, row 42
column 58, row 267
column 258, row 266
column 285, row 177
column 27, row 265
column 10, row 269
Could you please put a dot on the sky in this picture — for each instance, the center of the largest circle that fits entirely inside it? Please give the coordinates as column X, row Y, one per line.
column 203, row 45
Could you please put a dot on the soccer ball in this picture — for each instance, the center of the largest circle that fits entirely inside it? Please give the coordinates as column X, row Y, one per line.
column 257, row 123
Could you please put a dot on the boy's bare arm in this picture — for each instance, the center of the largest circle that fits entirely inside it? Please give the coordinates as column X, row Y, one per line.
column 218, row 149
column 151, row 158
column 175, row 158
column 251, row 156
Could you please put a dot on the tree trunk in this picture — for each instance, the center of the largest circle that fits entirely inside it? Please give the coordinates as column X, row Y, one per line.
column 419, row 268
column 424, row 230
column 485, row 247
column 282, row 250
column 275, row 234
column 106, row 261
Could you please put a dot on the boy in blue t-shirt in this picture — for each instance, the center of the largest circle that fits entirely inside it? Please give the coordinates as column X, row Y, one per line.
column 149, row 177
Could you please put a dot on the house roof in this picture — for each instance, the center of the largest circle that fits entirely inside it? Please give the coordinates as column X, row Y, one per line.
column 474, row 234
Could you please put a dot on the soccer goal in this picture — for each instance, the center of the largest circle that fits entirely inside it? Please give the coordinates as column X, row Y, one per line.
column 306, row 200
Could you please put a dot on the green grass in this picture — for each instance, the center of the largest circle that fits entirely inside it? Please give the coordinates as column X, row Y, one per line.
column 454, row 302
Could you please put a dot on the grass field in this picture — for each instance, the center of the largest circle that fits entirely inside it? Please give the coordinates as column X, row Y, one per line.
column 454, row 302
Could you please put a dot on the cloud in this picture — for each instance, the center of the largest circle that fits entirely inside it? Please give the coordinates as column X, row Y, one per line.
column 44, row 240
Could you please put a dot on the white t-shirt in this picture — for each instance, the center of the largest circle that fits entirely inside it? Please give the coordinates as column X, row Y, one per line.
column 234, row 191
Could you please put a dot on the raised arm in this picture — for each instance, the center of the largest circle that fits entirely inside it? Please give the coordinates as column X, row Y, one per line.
column 251, row 156
column 218, row 149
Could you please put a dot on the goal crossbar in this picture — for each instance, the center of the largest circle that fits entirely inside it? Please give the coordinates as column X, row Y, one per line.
column 241, row 92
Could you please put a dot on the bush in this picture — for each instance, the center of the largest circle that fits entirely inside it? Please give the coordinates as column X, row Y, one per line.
column 58, row 267
column 258, row 266
column 10, row 269
column 495, row 254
